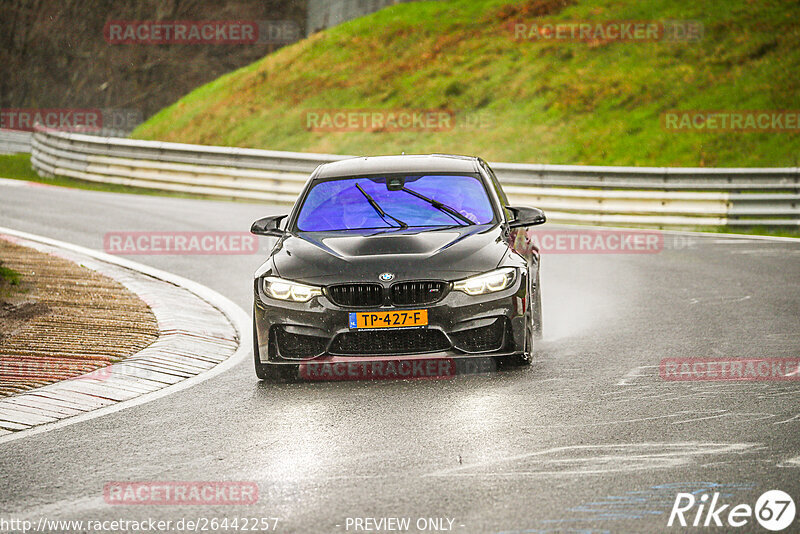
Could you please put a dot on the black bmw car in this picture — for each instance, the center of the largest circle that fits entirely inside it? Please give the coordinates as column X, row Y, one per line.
column 397, row 257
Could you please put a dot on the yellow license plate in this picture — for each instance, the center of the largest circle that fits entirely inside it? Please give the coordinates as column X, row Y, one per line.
column 389, row 319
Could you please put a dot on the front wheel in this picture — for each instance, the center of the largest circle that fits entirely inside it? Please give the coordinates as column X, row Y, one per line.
column 265, row 371
column 526, row 357
column 537, row 313
column 523, row 359
column 533, row 331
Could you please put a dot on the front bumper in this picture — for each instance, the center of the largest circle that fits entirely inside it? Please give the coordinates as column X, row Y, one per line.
column 459, row 326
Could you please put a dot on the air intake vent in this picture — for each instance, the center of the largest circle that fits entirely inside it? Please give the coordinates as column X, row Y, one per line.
column 411, row 341
column 356, row 295
column 483, row 339
column 297, row 345
column 417, row 293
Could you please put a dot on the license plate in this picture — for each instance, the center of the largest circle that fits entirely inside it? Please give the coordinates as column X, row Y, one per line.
column 389, row 319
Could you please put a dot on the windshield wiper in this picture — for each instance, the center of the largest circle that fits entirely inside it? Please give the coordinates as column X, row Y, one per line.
column 439, row 206
column 378, row 209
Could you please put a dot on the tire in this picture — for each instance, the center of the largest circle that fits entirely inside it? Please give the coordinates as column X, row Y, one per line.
column 526, row 358
column 513, row 361
column 265, row 371
column 537, row 316
column 534, row 319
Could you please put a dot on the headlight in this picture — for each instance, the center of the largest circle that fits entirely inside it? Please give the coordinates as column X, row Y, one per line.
column 281, row 289
column 487, row 283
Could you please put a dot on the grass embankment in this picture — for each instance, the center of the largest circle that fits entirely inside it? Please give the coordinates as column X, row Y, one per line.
column 596, row 103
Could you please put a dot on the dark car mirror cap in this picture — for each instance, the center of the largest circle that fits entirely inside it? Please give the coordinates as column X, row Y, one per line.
column 524, row 216
column 268, row 226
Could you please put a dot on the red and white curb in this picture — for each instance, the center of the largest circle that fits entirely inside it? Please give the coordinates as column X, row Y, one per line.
column 201, row 334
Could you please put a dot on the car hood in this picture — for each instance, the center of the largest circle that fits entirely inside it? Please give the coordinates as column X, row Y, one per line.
column 331, row 257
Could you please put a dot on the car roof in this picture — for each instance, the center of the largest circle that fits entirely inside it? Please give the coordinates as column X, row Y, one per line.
column 412, row 163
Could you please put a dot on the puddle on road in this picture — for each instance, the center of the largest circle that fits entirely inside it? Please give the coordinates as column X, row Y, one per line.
column 600, row 459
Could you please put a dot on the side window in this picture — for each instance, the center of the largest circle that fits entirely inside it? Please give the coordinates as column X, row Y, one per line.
column 498, row 189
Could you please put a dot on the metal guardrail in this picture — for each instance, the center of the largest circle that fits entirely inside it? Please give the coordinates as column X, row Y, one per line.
column 14, row 141
column 19, row 141
column 660, row 197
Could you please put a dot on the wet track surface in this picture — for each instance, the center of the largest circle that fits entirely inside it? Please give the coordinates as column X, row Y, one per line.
column 590, row 438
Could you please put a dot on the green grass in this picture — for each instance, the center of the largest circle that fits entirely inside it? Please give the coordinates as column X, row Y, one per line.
column 18, row 167
column 554, row 102
column 752, row 230
column 9, row 276
column 9, row 281
column 755, row 230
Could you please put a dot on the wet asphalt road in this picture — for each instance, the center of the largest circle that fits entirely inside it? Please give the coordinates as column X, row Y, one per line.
column 589, row 439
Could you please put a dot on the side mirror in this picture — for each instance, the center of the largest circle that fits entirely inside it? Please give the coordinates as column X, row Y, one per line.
column 526, row 217
column 268, row 226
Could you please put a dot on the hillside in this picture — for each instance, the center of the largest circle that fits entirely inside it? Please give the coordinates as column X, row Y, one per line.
column 595, row 102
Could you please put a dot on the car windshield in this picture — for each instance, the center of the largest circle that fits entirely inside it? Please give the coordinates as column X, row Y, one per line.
column 367, row 202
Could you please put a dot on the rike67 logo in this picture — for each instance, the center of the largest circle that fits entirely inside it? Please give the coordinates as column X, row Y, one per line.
column 774, row 510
